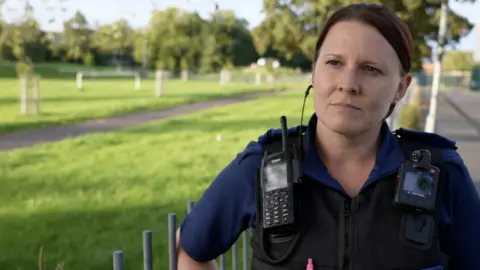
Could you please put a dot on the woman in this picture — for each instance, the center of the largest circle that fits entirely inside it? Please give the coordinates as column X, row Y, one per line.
column 350, row 166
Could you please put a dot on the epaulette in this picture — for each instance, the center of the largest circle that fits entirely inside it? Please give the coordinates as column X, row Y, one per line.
column 432, row 139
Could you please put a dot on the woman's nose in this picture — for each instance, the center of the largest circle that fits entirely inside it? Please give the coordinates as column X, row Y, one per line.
column 348, row 82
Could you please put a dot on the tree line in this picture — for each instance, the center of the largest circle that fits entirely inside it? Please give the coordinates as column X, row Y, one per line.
column 177, row 39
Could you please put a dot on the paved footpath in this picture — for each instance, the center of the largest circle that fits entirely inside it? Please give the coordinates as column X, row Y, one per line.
column 26, row 138
column 458, row 118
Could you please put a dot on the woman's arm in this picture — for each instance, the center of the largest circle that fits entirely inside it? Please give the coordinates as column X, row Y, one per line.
column 223, row 212
column 462, row 235
column 185, row 262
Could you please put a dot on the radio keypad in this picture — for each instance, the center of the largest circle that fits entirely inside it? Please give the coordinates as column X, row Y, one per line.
column 276, row 207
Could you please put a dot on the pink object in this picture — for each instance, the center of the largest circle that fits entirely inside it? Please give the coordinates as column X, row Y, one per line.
column 310, row 264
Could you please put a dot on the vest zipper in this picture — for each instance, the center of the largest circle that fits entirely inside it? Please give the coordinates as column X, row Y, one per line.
column 346, row 247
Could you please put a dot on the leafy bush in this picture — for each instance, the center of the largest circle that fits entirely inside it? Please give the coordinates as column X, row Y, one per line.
column 23, row 68
column 89, row 60
column 417, row 96
column 411, row 114
column 410, row 117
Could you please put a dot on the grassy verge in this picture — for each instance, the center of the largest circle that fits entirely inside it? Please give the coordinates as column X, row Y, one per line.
column 85, row 197
column 411, row 114
column 52, row 70
column 62, row 103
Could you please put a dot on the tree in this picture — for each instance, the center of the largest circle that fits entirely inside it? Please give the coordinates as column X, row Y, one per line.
column 242, row 49
column 115, row 39
column 140, row 43
column 12, row 35
column 23, row 37
column 293, row 26
column 178, row 40
column 174, row 34
column 227, row 41
column 458, row 61
column 75, row 40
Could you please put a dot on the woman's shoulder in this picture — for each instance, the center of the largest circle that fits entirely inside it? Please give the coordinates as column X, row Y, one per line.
column 445, row 146
column 444, row 154
column 460, row 198
column 275, row 134
column 433, row 140
column 269, row 137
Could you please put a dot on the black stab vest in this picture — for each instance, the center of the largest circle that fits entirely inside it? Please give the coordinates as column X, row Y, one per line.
column 360, row 233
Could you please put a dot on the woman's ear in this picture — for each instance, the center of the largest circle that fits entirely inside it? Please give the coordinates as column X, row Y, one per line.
column 403, row 86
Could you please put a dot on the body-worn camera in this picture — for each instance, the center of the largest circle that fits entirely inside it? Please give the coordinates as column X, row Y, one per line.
column 417, row 182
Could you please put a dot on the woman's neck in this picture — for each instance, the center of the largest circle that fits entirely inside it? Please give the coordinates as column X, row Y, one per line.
column 336, row 149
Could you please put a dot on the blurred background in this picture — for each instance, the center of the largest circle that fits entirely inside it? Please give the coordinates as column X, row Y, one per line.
column 114, row 113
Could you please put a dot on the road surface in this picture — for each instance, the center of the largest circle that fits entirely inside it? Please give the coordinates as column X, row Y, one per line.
column 458, row 118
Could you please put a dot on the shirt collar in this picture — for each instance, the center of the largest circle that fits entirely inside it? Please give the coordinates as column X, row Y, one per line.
column 388, row 159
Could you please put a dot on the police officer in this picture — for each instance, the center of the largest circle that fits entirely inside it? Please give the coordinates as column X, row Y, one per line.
column 350, row 170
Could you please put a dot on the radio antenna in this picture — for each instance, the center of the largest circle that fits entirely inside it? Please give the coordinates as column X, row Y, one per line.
column 283, row 122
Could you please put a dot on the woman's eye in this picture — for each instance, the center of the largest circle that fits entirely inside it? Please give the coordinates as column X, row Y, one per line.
column 370, row 69
column 333, row 62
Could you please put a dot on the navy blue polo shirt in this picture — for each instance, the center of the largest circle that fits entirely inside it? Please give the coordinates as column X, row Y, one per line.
column 227, row 207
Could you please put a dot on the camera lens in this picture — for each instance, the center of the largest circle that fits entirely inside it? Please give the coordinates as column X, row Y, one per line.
column 416, row 156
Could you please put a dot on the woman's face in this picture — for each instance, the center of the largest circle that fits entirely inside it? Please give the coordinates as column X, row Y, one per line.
column 356, row 77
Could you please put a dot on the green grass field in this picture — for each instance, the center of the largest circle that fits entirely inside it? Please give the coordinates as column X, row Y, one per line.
column 63, row 103
column 51, row 70
column 85, row 197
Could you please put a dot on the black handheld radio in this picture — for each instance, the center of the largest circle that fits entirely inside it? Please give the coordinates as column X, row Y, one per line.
column 418, row 182
column 278, row 206
column 280, row 171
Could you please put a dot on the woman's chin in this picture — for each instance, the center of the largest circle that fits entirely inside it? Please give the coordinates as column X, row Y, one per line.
column 344, row 126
